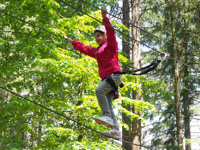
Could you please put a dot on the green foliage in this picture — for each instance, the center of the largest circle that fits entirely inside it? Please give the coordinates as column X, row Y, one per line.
column 168, row 20
column 49, row 71
column 46, row 69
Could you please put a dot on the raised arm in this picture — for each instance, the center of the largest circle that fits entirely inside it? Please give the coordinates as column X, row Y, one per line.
column 110, row 32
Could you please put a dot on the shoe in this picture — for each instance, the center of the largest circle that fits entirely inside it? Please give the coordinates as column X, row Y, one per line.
column 113, row 133
column 105, row 120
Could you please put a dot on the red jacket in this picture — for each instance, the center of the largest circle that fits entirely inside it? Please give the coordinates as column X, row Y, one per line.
column 106, row 55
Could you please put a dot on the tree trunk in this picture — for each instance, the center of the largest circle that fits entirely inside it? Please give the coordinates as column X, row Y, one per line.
column 186, row 103
column 23, row 138
column 134, row 133
column 125, row 41
column 126, row 135
column 178, row 106
column 186, row 106
column 176, row 82
column 136, row 57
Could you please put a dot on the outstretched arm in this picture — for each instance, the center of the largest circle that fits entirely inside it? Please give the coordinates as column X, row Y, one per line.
column 87, row 50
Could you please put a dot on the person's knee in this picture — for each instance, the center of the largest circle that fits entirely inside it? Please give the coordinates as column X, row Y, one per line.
column 98, row 90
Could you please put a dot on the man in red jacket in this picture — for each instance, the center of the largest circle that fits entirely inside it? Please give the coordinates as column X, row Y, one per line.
column 107, row 58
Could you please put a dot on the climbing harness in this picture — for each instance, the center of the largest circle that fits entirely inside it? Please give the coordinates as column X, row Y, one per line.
column 114, row 92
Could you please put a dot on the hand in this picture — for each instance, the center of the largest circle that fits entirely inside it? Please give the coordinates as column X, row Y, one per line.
column 104, row 13
column 69, row 40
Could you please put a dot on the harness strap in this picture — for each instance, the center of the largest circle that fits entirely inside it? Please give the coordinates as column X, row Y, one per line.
column 143, row 70
column 147, row 68
column 114, row 92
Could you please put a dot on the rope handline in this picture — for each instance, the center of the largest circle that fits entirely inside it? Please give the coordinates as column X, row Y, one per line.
column 77, row 53
column 32, row 24
column 144, row 30
column 63, row 37
column 19, row 33
column 126, row 35
column 64, row 116
column 98, row 21
column 34, row 36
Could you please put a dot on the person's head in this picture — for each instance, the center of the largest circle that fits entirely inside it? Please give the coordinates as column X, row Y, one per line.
column 100, row 35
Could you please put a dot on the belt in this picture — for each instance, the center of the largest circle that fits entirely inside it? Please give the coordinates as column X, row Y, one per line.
column 118, row 72
column 114, row 73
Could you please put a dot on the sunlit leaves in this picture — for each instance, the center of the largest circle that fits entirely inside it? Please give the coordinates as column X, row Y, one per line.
column 46, row 69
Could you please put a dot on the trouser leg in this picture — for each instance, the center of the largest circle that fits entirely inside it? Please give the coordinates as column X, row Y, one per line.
column 105, row 102
column 102, row 89
column 110, row 101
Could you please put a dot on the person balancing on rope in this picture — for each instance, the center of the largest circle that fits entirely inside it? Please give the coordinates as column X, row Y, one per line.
column 107, row 58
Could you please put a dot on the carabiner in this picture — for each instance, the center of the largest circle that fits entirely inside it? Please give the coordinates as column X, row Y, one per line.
column 162, row 53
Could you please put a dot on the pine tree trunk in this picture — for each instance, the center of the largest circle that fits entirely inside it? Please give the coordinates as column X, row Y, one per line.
column 176, row 82
column 178, row 106
column 126, row 135
column 134, row 133
column 136, row 57
column 186, row 103
column 126, row 19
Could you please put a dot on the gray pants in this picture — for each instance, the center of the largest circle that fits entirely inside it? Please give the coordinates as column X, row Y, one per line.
column 105, row 100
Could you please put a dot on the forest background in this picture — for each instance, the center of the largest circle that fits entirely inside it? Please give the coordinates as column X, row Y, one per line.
column 42, row 67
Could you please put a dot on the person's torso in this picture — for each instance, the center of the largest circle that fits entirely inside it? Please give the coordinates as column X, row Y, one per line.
column 107, row 59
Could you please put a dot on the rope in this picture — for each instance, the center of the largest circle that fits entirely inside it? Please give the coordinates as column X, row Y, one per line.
column 144, row 30
column 32, row 24
column 65, row 116
column 93, row 18
column 44, row 106
column 98, row 21
column 34, row 36
column 124, row 73
column 51, row 109
column 126, row 35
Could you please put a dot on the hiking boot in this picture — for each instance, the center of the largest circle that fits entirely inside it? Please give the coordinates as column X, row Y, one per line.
column 105, row 120
column 113, row 133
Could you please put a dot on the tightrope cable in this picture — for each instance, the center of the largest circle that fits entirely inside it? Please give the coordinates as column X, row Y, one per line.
column 64, row 116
